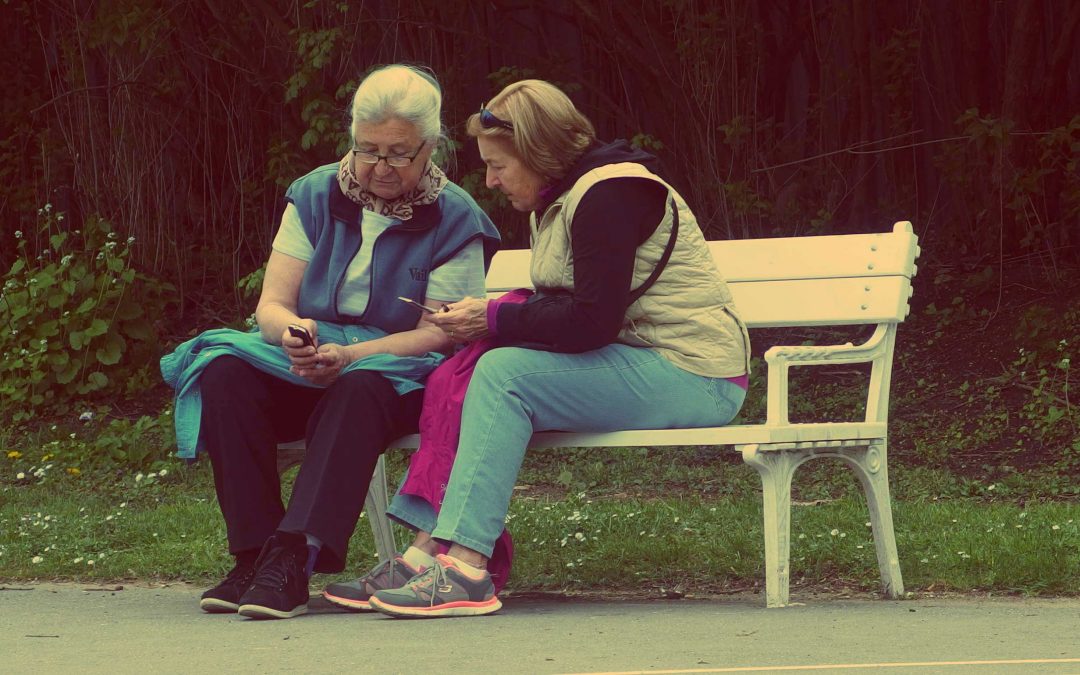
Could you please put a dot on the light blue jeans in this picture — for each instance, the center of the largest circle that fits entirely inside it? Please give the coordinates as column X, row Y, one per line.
column 516, row 391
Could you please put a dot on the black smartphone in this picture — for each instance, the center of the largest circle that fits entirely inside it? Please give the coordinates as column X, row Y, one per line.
column 299, row 331
column 423, row 308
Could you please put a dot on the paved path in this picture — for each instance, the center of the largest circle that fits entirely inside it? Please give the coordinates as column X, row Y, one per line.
column 66, row 628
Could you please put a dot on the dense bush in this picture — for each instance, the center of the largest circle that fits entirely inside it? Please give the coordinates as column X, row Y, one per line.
column 78, row 319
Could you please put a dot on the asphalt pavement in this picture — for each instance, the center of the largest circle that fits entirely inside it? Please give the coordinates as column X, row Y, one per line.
column 52, row 628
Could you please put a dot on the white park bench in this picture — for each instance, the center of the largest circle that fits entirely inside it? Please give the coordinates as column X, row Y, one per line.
column 858, row 279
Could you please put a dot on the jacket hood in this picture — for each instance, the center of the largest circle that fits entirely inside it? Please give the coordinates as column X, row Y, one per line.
column 598, row 155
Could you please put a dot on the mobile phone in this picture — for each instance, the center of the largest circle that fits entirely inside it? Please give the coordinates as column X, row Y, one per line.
column 299, row 331
column 423, row 308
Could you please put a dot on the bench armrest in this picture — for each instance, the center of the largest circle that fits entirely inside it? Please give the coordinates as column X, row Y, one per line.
column 877, row 349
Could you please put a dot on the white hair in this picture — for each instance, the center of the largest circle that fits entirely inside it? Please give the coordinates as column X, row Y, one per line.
column 403, row 92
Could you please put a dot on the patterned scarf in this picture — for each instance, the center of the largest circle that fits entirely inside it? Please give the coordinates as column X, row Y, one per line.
column 426, row 191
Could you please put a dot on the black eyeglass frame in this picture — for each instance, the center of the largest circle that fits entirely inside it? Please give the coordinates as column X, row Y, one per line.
column 489, row 120
column 359, row 154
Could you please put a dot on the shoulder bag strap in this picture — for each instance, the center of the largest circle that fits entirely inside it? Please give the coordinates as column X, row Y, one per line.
column 636, row 294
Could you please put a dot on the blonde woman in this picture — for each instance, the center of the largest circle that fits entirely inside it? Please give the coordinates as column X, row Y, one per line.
column 633, row 327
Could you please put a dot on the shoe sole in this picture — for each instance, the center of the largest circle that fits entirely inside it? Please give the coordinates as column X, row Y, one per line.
column 260, row 612
column 216, row 606
column 460, row 608
column 349, row 603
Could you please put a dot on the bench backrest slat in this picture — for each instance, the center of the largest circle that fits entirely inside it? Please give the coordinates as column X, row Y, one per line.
column 793, row 281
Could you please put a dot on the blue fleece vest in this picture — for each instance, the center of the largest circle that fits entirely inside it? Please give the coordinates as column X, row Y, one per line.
column 402, row 257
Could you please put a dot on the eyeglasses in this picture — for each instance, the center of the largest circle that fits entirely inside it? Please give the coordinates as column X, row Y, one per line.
column 396, row 161
column 488, row 120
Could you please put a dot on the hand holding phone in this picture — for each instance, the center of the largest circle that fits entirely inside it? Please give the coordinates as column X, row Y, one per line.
column 298, row 331
column 422, row 308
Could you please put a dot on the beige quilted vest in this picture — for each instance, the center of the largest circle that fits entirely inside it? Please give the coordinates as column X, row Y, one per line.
column 687, row 314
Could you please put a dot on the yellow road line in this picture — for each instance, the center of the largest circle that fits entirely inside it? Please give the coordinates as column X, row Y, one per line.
column 838, row 666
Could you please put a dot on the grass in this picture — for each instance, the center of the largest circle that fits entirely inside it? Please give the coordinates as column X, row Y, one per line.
column 587, row 521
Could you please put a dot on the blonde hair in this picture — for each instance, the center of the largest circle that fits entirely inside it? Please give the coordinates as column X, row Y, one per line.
column 549, row 133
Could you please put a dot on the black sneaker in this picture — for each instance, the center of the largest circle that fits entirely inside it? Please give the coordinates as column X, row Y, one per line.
column 280, row 587
column 224, row 598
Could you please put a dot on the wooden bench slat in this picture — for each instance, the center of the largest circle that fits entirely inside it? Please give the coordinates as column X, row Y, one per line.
column 729, row 435
column 822, row 302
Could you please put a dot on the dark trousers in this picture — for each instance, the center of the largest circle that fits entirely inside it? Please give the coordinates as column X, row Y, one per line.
column 346, row 426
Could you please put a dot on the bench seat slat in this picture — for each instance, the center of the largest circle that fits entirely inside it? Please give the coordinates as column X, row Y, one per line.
column 729, row 435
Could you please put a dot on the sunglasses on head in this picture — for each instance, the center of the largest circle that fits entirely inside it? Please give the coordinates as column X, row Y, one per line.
column 488, row 120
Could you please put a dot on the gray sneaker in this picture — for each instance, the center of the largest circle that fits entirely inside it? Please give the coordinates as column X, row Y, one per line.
column 442, row 590
column 355, row 594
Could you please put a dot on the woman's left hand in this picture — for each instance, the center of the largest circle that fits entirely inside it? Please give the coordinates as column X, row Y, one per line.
column 464, row 321
column 329, row 360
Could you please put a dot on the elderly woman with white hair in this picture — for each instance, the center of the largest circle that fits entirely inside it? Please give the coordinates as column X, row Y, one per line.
column 338, row 359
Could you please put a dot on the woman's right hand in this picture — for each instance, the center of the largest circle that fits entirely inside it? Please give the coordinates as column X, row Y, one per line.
column 299, row 354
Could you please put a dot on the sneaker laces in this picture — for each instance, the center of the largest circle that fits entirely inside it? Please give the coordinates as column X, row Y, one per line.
column 273, row 571
column 377, row 570
column 433, row 577
column 239, row 575
column 383, row 567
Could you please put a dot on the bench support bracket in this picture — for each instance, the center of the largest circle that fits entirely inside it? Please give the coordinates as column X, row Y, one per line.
column 777, row 466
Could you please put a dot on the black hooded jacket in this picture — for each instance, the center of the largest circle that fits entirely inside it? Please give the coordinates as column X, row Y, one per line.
column 612, row 219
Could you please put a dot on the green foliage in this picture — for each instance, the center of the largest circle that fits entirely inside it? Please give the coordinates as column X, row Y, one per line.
column 1048, row 417
column 251, row 285
column 744, row 200
column 314, row 48
column 475, row 184
column 90, row 443
column 959, row 309
column 1004, row 184
column 508, row 75
column 75, row 316
column 1060, row 156
column 646, row 142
